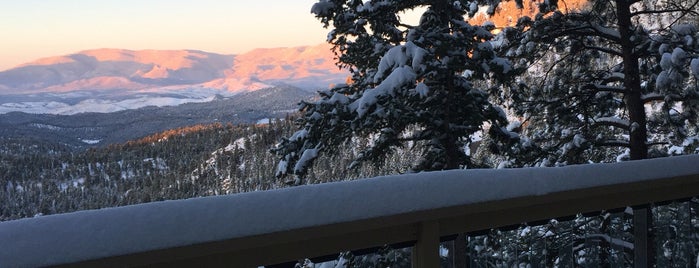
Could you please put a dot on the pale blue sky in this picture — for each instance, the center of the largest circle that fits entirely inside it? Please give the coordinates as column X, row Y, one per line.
column 32, row 29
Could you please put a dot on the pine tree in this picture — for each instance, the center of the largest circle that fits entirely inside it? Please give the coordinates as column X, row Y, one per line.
column 403, row 77
column 619, row 76
column 614, row 81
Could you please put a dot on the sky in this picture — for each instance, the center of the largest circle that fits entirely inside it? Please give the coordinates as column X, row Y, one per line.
column 33, row 29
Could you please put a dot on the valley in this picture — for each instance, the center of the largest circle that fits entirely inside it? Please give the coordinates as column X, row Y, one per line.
column 82, row 130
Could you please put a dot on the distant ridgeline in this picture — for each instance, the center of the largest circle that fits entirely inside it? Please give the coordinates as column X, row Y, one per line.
column 85, row 130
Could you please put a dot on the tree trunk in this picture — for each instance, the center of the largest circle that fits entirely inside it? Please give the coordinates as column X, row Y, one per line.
column 644, row 255
column 638, row 132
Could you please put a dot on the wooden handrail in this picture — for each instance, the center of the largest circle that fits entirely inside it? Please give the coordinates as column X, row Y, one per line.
column 261, row 228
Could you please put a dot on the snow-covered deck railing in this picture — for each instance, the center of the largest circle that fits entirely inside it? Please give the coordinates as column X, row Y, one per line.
column 260, row 228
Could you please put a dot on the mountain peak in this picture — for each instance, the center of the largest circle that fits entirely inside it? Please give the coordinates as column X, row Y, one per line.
column 108, row 68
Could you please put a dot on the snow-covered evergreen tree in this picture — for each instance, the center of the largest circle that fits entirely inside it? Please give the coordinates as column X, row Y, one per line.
column 403, row 77
column 615, row 81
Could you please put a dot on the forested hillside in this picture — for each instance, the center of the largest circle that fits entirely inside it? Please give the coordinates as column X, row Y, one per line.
column 201, row 160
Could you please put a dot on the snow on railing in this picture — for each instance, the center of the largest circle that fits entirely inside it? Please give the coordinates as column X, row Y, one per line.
column 268, row 227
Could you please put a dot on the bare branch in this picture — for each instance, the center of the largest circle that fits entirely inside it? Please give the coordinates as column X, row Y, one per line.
column 546, row 75
column 603, row 88
column 605, row 50
column 613, row 143
column 687, row 11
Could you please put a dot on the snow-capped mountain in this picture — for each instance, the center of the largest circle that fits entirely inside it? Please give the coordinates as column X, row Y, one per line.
column 103, row 69
column 106, row 80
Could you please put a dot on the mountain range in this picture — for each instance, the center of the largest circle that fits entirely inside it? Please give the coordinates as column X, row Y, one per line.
column 109, row 80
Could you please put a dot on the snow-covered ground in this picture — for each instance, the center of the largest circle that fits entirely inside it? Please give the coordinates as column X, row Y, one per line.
column 85, row 235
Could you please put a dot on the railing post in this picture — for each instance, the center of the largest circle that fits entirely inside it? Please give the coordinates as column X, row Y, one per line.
column 643, row 245
column 426, row 250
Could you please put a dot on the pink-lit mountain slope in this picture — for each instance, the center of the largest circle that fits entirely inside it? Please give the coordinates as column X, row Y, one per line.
column 306, row 66
column 161, row 71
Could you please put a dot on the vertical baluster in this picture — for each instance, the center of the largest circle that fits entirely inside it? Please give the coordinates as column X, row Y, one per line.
column 612, row 247
column 689, row 240
column 642, row 221
column 694, row 237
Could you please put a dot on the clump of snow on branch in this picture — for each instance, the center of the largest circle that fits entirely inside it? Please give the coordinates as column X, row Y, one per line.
column 322, row 7
column 398, row 68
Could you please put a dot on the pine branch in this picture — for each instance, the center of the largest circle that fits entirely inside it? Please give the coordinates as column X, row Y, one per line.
column 601, row 32
column 657, row 143
column 613, row 143
column 604, row 50
column 613, row 122
column 603, row 88
column 582, row 31
column 648, row 98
